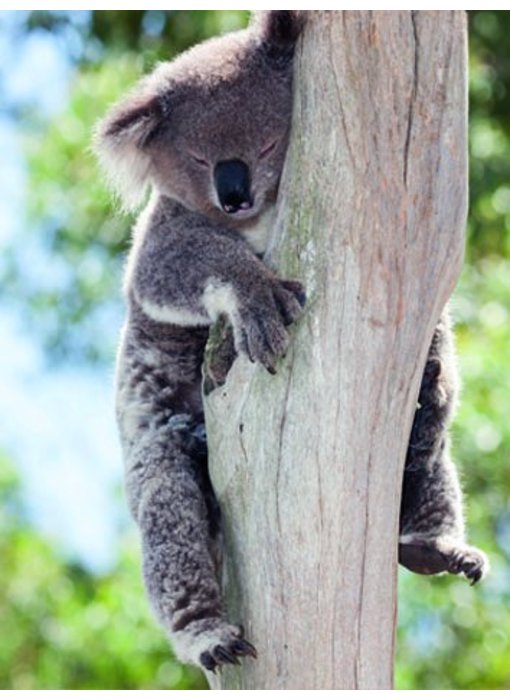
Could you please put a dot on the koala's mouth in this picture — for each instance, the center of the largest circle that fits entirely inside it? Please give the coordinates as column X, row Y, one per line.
column 248, row 209
column 242, row 214
column 244, row 205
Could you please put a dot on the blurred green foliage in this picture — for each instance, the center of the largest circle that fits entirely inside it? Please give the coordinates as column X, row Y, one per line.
column 70, row 629
column 489, row 129
column 452, row 636
column 64, row 628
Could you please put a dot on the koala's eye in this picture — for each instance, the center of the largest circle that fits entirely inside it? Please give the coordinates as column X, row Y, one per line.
column 200, row 161
column 268, row 149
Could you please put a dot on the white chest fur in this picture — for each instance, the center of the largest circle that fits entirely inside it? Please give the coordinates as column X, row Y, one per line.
column 257, row 236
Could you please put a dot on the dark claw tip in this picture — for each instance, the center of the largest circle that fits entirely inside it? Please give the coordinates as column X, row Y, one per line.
column 475, row 577
column 298, row 290
column 224, row 656
column 301, row 297
column 208, row 386
column 244, row 648
column 207, row 661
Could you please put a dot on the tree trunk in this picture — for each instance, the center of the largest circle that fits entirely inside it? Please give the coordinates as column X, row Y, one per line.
column 307, row 464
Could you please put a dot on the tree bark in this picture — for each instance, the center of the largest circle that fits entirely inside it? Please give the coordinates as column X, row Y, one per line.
column 307, row 464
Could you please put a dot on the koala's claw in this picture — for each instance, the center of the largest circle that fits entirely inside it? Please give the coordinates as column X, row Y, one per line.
column 297, row 289
column 260, row 328
column 263, row 339
column 468, row 561
column 227, row 654
column 211, row 643
column 290, row 298
column 243, row 648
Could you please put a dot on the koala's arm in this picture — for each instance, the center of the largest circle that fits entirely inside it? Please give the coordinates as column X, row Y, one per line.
column 190, row 277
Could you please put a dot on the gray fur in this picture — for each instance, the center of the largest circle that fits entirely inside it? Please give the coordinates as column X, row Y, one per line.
column 431, row 518
column 228, row 99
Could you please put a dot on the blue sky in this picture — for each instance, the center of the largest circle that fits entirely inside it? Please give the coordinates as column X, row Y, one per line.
column 57, row 424
column 59, row 427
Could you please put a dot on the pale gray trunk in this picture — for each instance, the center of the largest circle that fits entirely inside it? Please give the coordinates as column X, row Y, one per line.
column 308, row 464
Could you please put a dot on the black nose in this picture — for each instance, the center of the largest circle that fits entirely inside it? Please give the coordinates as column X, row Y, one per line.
column 232, row 182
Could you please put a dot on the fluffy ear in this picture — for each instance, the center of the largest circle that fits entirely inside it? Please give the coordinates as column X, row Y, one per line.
column 280, row 27
column 120, row 140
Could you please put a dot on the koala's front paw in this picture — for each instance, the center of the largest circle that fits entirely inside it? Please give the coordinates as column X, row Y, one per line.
column 260, row 328
column 435, row 556
column 211, row 643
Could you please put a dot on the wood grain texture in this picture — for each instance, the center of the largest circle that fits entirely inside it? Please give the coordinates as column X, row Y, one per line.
column 308, row 464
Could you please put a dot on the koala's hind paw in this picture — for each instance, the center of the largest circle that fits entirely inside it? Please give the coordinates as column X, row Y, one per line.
column 229, row 653
column 435, row 556
column 211, row 643
column 469, row 561
column 219, row 355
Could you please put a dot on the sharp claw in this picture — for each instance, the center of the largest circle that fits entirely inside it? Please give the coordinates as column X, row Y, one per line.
column 246, row 346
column 475, row 576
column 244, row 648
column 209, row 386
column 297, row 289
column 301, row 297
column 208, row 661
column 224, row 655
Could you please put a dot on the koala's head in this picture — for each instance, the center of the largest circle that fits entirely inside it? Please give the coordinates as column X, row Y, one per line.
column 209, row 129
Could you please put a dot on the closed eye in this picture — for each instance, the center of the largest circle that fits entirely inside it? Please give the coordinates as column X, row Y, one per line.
column 268, row 149
column 200, row 161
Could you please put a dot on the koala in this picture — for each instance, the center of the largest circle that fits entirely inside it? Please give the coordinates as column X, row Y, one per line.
column 207, row 133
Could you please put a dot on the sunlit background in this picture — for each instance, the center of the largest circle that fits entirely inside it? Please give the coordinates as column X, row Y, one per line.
column 73, row 613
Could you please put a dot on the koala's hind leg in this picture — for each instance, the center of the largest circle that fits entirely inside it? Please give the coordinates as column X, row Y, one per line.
column 180, row 572
column 164, row 443
column 431, row 525
column 431, row 519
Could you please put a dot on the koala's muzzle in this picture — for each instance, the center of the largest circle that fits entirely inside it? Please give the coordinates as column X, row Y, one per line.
column 232, row 182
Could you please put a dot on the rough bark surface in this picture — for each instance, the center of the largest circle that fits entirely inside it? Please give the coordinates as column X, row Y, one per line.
column 308, row 464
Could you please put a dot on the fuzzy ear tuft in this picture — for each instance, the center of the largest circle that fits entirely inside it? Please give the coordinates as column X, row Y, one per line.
column 119, row 141
column 281, row 27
